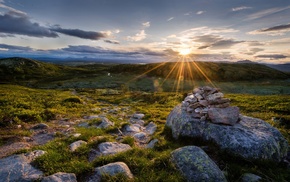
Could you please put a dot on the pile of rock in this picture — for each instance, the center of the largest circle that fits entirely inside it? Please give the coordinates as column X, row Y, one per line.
column 207, row 103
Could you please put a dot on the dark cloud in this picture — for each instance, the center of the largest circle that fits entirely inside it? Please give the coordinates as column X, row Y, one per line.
column 215, row 42
column 276, row 28
column 203, row 47
column 112, row 41
column 272, row 56
column 15, row 48
column 255, row 43
column 207, row 38
column 19, row 23
column 226, row 43
column 84, row 49
column 80, row 33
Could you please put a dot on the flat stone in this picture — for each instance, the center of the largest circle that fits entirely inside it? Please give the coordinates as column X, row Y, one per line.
column 138, row 116
column 151, row 128
column 40, row 126
column 215, row 96
column 109, row 148
column 75, row 145
column 111, row 170
column 84, row 124
column 105, row 123
column 132, row 128
column 203, row 103
column 195, row 165
column 137, row 121
column 19, row 168
column 228, row 116
column 151, row 144
column 219, row 101
column 9, row 149
column 60, row 177
column 141, row 136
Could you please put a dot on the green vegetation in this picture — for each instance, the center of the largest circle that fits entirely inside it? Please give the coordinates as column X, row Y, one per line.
column 57, row 93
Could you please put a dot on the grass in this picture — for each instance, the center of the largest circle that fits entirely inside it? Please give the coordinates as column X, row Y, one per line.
column 27, row 106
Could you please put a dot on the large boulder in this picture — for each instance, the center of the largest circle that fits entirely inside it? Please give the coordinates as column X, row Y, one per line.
column 111, row 170
column 19, row 168
column 250, row 138
column 195, row 165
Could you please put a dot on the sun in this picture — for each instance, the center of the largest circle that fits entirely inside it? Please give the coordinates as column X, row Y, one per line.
column 184, row 51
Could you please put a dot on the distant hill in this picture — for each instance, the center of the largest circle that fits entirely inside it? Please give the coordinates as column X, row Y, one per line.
column 198, row 71
column 280, row 67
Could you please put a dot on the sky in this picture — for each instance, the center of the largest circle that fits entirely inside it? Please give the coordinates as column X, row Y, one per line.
column 146, row 30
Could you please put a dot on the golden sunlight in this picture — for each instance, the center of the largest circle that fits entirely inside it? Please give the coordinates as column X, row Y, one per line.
column 184, row 51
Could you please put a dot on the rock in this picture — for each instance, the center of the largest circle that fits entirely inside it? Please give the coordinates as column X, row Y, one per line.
column 6, row 150
column 137, row 121
column 141, row 136
column 76, row 145
column 91, row 117
column 84, row 124
column 151, row 144
column 219, row 101
column 251, row 138
column 138, row 116
column 42, row 138
column 215, row 96
column 224, row 105
column 195, row 165
column 108, row 148
column 151, row 128
column 203, row 103
column 19, row 168
column 249, row 177
column 77, row 135
column 105, row 123
column 229, row 115
column 40, row 126
column 60, row 177
column 132, row 128
column 111, row 170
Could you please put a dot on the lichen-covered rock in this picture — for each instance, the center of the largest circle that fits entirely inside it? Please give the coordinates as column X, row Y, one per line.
column 19, row 168
column 195, row 165
column 60, row 177
column 76, row 145
column 250, row 138
column 111, row 169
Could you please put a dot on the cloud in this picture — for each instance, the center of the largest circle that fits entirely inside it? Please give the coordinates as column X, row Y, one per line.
column 14, row 48
column 187, row 14
column 138, row 37
column 81, row 33
column 275, row 30
column 266, row 12
column 20, row 24
column 10, row 8
column 146, row 24
column 171, row 18
column 112, row 41
column 240, row 8
column 255, row 43
column 206, row 31
column 253, row 51
column 215, row 42
column 271, row 56
column 200, row 12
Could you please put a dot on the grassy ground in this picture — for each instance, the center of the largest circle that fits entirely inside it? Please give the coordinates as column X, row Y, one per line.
column 21, row 105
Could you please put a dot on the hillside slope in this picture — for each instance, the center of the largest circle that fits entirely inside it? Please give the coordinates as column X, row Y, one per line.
column 201, row 70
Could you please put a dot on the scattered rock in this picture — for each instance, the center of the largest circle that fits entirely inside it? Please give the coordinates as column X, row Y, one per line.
column 249, row 177
column 42, row 138
column 132, row 128
column 195, row 165
column 151, row 128
column 137, row 121
column 19, row 168
column 9, row 149
column 105, row 123
column 84, row 125
column 141, row 136
column 91, row 117
column 77, row 135
column 250, row 138
column 60, row 177
column 76, row 145
column 111, row 169
column 151, row 144
column 40, row 126
column 229, row 115
column 108, row 148
column 138, row 116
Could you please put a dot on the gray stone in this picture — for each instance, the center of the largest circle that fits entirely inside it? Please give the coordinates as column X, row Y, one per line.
column 251, row 138
column 137, row 121
column 18, row 167
column 40, row 126
column 111, row 170
column 151, row 128
column 141, row 136
column 60, row 177
column 249, row 177
column 84, row 124
column 9, row 149
column 76, row 145
column 195, row 165
column 203, row 103
column 215, row 96
column 151, row 144
column 91, row 117
column 138, row 116
column 105, row 123
column 229, row 115
column 132, row 128
column 109, row 148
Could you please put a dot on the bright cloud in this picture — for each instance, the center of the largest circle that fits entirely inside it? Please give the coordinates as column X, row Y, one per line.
column 138, row 37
